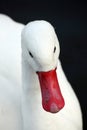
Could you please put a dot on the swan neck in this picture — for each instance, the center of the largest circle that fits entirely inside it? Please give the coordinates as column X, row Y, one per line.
column 29, row 78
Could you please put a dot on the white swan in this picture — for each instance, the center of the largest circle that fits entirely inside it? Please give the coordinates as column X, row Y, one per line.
column 20, row 98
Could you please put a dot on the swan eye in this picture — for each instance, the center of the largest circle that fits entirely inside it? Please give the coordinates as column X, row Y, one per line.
column 54, row 49
column 30, row 54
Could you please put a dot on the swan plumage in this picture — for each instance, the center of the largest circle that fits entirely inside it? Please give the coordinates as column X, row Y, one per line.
column 20, row 95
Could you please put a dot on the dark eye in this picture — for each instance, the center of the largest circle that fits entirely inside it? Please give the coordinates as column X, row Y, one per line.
column 54, row 49
column 30, row 54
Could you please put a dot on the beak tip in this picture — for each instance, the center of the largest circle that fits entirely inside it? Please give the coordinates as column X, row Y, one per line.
column 54, row 108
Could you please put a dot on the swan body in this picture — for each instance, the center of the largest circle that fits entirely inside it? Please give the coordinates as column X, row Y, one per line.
column 20, row 93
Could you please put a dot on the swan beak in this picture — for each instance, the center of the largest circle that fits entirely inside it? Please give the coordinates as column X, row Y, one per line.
column 52, row 99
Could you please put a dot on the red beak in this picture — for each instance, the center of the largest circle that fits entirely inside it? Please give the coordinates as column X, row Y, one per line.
column 52, row 99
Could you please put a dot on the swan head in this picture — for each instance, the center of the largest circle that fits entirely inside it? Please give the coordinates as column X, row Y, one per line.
column 40, row 47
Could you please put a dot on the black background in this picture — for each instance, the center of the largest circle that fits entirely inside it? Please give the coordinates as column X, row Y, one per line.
column 70, row 21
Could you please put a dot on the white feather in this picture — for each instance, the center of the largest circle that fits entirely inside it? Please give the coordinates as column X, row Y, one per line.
column 20, row 96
